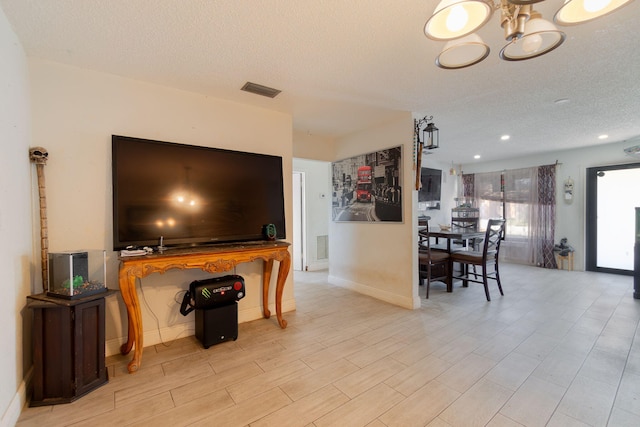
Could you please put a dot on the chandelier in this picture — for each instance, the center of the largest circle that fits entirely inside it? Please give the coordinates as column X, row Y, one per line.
column 527, row 34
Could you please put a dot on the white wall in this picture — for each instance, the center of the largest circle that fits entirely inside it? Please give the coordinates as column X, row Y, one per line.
column 379, row 259
column 570, row 217
column 317, row 208
column 16, row 250
column 75, row 113
column 307, row 146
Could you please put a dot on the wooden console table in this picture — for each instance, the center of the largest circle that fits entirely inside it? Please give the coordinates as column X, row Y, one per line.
column 214, row 259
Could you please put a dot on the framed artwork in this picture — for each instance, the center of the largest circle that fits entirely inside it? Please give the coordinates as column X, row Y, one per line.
column 368, row 187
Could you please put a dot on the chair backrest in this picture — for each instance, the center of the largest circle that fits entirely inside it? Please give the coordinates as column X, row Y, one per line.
column 493, row 237
column 423, row 239
column 466, row 223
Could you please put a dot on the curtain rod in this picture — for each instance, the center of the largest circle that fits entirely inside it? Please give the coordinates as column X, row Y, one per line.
column 557, row 163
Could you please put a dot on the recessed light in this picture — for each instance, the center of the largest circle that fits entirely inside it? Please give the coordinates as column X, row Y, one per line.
column 561, row 101
column 603, row 137
column 477, row 156
column 505, row 137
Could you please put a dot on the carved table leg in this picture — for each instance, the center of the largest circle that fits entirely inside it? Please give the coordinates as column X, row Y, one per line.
column 283, row 271
column 127, row 284
column 266, row 281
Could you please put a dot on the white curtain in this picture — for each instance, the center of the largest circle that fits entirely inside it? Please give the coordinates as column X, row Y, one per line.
column 488, row 196
column 521, row 200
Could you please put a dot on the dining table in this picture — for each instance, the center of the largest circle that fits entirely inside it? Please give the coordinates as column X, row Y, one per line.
column 452, row 234
column 463, row 234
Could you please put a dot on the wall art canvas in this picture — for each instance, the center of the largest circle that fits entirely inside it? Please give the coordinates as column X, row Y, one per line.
column 368, row 187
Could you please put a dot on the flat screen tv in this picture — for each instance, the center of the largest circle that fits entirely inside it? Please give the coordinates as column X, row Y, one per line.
column 430, row 192
column 190, row 195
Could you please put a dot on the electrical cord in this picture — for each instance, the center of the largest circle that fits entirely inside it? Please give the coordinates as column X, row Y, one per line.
column 144, row 300
column 178, row 299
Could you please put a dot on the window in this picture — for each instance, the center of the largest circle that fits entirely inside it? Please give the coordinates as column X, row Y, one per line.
column 488, row 196
column 526, row 199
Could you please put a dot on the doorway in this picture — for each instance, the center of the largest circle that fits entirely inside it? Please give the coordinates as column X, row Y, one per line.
column 610, row 217
column 298, row 221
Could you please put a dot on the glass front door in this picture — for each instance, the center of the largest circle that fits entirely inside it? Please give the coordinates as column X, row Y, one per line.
column 611, row 201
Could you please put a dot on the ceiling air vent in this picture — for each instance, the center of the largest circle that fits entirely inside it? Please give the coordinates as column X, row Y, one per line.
column 260, row 90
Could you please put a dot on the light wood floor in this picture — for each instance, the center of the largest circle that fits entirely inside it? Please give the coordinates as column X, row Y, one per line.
column 559, row 349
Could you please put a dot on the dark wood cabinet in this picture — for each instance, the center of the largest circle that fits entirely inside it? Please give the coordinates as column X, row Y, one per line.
column 68, row 347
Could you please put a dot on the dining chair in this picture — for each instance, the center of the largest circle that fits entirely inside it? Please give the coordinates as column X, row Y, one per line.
column 422, row 235
column 484, row 258
column 466, row 223
column 458, row 222
column 433, row 264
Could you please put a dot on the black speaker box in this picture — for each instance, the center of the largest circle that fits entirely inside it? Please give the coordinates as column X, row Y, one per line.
column 217, row 324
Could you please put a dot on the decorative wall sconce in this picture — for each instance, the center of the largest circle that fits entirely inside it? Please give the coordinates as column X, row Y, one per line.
column 430, row 140
column 568, row 190
column 430, row 133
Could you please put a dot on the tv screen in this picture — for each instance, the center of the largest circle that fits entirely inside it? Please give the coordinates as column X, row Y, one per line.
column 430, row 191
column 191, row 195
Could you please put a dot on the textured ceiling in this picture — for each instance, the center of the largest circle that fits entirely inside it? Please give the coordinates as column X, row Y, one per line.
column 346, row 65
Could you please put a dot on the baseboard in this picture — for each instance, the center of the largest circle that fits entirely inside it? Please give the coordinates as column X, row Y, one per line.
column 185, row 329
column 392, row 298
column 318, row 266
column 11, row 415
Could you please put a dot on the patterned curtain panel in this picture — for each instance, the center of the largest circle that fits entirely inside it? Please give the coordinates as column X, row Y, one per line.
column 468, row 185
column 544, row 226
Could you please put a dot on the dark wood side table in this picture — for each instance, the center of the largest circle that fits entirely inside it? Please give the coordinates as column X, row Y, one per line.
column 68, row 347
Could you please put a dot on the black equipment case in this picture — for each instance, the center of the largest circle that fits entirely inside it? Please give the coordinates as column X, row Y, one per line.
column 216, row 306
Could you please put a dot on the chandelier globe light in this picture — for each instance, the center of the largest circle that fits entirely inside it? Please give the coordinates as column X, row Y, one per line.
column 540, row 37
column 457, row 18
column 578, row 11
column 463, row 52
column 527, row 33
